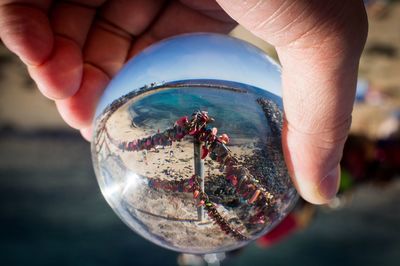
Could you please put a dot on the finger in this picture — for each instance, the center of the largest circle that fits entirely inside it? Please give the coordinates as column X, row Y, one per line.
column 319, row 79
column 319, row 55
column 87, row 133
column 110, row 39
column 25, row 30
column 318, row 98
column 78, row 110
column 60, row 76
column 178, row 18
column 105, row 51
column 72, row 20
column 209, row 8
column 133, row 17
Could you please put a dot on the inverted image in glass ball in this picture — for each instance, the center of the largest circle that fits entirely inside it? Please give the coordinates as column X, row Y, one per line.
column 187, row 144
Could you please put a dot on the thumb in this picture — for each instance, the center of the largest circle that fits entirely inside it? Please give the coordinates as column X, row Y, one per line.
column 318, row 96
column 319, row 44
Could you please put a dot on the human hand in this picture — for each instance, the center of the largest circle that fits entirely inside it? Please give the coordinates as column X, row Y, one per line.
column 71, row 54
column 319, row 44
column 73, row 48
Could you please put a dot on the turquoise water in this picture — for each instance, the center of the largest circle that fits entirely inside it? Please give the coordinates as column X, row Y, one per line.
column 235, row 113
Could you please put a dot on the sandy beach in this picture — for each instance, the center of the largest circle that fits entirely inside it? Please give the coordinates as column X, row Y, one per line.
column 169, row 216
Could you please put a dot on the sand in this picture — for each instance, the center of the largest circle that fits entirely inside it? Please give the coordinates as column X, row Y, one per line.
column 170, row 217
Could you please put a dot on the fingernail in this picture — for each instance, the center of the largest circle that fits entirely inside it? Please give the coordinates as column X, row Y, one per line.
column 329, row 185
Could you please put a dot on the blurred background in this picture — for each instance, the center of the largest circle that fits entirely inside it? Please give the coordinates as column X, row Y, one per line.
column 52, row 211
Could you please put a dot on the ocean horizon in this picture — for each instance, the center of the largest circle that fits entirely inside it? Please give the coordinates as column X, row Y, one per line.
column 236, row 112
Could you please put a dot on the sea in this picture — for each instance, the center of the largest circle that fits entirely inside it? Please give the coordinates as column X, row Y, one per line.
column 232, row 105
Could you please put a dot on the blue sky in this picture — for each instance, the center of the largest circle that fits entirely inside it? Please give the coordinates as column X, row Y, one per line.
column 195, row 56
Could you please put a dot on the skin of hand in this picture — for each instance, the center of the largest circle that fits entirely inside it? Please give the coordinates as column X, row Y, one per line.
column 73, row 48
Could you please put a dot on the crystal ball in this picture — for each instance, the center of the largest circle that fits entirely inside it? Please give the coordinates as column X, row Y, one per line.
column 187, row 144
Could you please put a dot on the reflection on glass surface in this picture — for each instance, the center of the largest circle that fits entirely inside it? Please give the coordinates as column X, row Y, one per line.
column 194, row 165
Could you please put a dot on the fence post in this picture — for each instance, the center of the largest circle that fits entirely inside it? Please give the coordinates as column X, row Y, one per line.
column 199, row 171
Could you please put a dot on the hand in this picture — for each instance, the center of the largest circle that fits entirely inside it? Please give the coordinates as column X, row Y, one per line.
column 72, row 54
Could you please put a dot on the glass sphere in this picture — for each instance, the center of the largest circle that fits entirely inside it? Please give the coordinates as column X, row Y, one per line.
column 187, row 144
